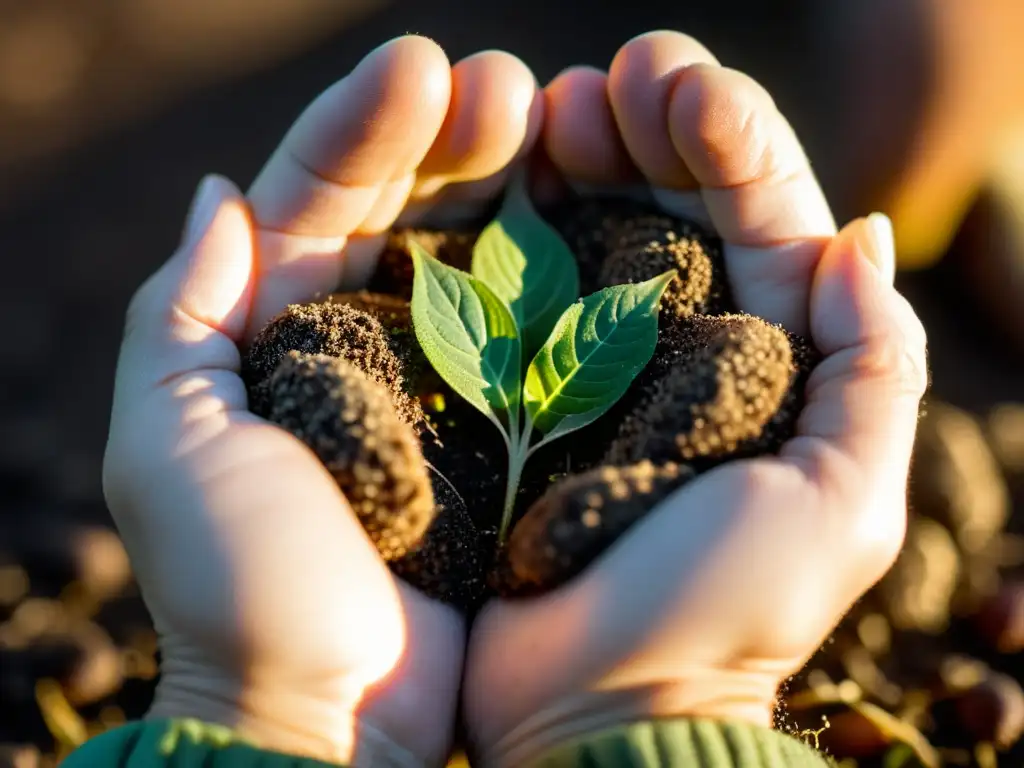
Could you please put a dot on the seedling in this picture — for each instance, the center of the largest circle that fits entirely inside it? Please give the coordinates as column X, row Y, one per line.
column 520, row 303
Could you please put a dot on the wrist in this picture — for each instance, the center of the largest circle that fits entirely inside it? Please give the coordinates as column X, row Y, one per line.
column 287, row 722
column 730, row 698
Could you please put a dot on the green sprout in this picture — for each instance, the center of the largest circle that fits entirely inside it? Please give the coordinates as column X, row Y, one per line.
column 520, row 303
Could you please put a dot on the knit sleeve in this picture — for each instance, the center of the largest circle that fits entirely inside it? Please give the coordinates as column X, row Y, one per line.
column 684, row 744
column 178, row 744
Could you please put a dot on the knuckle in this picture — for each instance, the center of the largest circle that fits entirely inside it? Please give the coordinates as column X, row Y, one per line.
column 660, row 51
column 898, row 357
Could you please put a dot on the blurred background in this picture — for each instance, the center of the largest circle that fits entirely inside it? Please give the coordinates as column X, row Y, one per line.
column 112, row 110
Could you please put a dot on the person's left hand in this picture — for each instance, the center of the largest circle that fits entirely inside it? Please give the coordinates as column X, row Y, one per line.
column 276, row 615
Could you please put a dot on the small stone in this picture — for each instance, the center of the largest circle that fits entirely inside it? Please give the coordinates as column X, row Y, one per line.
column 1001, row 619
column 1006, row 436
column 993, row 710
column 14, row 584
column 81, row 657
column 68, row 551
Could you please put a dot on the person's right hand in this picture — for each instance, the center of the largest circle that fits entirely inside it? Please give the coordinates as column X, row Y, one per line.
column 706, row 605
column 276, row 615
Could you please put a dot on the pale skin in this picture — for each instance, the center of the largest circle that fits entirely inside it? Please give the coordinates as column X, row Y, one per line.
column 275, row 614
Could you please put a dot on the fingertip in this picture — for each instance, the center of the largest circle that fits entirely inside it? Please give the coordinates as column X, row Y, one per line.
column 206, row 201
column 511, row 71
column 413, row 62
column 495, row 115
column 661, row 50
column 855, row 306
column 640, row 81
column 841, row 275
column 757, row 186
column 577, row 81
column 581, row 137
column 408, row 82
column 367, row 130
column 882, row 248
column 376, row 124
column 755, row 177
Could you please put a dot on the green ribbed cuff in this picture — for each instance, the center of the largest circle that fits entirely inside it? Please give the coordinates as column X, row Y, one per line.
column 178, row 744
column 689, row 743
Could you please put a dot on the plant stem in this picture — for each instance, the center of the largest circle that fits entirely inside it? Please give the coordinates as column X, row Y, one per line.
column 517, row 455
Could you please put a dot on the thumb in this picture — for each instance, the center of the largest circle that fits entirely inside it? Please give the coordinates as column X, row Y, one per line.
column 189, row 315
column 857, row 429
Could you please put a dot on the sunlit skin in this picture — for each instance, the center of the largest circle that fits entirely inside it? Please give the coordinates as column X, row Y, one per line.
column 727, row 588
column 274, row 611
column 276, row 615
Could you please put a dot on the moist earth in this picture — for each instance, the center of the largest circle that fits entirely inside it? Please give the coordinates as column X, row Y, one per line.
column 425, row 471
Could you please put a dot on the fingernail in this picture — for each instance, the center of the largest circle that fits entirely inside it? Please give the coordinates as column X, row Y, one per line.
column 204, row 208
column 877, row 245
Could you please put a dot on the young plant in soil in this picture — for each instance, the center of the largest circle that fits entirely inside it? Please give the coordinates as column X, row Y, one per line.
column 514, row 339
column 493, row 431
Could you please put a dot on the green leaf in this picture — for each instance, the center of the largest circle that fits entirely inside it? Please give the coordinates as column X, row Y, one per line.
column 525, row 262
column 593, row 354
column 467, row 334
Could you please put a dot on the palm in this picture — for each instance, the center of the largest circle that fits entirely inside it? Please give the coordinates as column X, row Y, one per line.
column 276, row 593
column 725, row 579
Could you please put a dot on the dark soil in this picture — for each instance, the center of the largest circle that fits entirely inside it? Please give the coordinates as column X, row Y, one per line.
column 578, row 519
column 81, row 234
column 720, row 386
column 926, row 668
column 353, row 425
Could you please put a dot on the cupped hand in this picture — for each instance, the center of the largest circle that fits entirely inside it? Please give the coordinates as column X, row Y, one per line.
column 276, row 616
column 726, row 588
